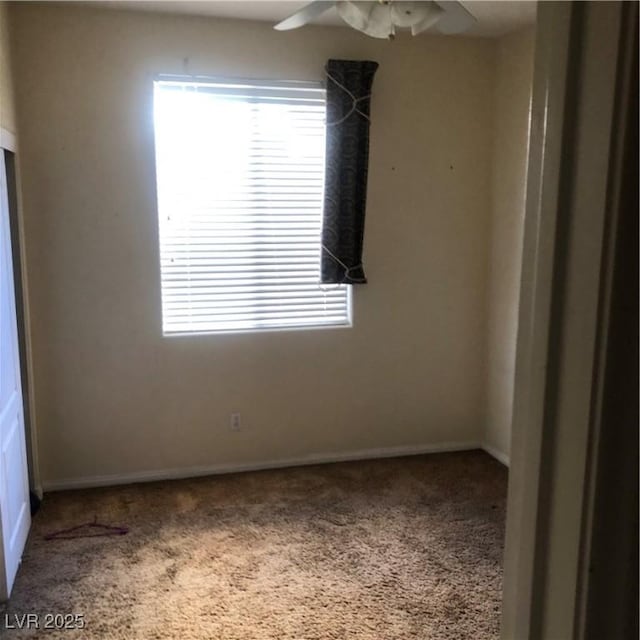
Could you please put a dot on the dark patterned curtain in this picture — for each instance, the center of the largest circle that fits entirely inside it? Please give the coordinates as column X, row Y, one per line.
column 347, row 157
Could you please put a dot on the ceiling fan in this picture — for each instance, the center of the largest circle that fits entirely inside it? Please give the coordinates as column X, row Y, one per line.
column 380, row 18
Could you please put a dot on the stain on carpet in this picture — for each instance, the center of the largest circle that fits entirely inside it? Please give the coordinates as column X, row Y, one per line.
column 396, row 549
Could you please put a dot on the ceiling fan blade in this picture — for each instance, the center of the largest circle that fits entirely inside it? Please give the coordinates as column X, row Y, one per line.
column 434, row 14
column 305, row 15
column 372, row 18
column 455, row 18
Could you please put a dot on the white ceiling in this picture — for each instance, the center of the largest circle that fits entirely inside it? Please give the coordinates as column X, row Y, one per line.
column 495, row 17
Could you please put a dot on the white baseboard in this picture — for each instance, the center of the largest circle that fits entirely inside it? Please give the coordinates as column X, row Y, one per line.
column 216, row 469
column 494, row 453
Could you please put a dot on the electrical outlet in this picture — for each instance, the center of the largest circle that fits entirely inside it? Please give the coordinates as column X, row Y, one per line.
column 235, row 422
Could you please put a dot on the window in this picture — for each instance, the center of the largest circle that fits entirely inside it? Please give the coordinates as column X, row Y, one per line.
column 240, row 172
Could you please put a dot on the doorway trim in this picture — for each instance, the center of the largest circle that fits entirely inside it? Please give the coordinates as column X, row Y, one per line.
column 9, row 142
column 580, row 49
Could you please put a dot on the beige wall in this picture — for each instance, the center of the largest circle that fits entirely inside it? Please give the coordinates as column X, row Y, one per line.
column 115, row 397
column 7, row 110
column 512, row 100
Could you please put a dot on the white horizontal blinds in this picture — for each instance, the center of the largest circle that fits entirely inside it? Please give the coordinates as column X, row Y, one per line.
column 240, row 170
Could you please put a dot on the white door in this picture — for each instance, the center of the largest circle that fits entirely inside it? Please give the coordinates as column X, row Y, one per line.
column 15, row 514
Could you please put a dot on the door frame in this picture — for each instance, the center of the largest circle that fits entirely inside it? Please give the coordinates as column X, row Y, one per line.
column 582, row 51
column 9, row 142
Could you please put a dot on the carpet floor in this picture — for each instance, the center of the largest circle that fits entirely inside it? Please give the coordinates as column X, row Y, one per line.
column 376, row 550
